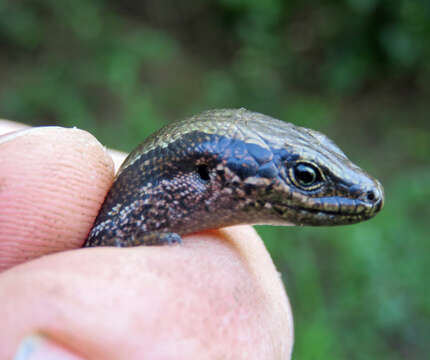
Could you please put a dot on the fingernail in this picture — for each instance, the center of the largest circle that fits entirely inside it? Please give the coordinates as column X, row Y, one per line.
column 36, row 347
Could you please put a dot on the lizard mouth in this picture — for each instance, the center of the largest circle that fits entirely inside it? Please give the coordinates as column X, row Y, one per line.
column 335, row 212
column 351, row 204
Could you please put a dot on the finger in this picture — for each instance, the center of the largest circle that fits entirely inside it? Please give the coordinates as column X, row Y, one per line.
column 118, row 158
column 7, row 126
column 218, row 296
column 53, row 181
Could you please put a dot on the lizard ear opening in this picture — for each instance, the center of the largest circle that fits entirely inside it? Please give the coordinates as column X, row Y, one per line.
column 203, row 171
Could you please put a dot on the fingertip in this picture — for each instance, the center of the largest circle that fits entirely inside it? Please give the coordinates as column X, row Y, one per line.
column 52, row 185
column 7, row 126
column 118, row 158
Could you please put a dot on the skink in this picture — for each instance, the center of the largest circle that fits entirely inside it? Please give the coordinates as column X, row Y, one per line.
column 227, row 167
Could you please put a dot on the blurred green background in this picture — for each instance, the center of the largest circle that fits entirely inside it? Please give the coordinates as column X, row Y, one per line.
column 357, row 70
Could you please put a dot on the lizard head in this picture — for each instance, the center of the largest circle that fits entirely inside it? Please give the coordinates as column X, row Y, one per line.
column 283, row 173
column 301, row 176
column 237, row 166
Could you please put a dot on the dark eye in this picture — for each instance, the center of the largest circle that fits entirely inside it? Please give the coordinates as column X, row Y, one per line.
column 203, row 171
column 306, row 176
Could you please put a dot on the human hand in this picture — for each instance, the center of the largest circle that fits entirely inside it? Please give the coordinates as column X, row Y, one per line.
column 217, row 296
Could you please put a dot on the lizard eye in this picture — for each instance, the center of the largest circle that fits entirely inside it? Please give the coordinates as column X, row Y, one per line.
column 306, row 176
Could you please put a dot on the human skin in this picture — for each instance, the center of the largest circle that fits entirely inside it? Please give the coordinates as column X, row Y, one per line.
column 216, row 296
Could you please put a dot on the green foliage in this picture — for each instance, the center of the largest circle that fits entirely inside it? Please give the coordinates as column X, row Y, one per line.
column 355, row 69
column 363, row 284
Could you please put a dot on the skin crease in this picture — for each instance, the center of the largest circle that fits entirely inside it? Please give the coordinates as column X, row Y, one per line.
column 218, row 296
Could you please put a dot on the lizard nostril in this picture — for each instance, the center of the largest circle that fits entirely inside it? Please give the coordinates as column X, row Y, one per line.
column 370, row 196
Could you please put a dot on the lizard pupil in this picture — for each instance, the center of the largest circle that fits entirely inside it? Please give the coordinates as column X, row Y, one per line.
column 305, row 174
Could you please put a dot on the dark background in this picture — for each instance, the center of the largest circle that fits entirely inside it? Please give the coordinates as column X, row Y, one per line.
column 357, row 70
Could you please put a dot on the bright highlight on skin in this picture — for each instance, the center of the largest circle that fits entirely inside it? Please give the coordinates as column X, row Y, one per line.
column 37, row 347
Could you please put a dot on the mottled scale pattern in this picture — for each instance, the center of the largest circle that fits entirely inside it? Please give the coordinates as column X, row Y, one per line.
column 226, row 167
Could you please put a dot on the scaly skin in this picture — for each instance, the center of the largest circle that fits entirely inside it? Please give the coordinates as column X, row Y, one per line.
column 228, row 167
